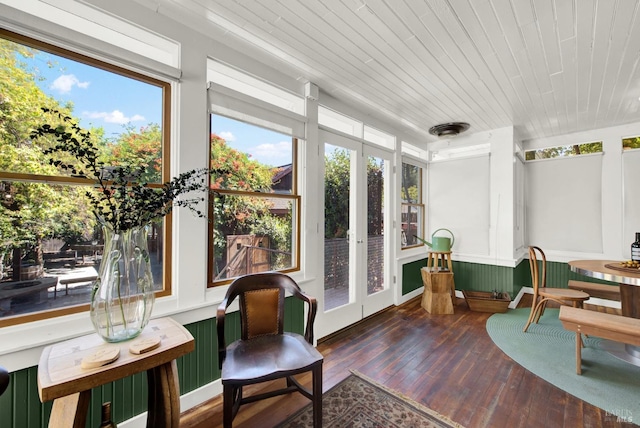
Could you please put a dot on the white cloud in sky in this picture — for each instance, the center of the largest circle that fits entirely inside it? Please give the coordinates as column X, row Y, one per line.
column 227, row 136
column 66, row 82
column 274, row 154
column 115, row 116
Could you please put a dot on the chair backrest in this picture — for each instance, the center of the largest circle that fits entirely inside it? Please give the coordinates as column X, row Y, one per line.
column 4, row 380
column 538, row 274
column 261, row 297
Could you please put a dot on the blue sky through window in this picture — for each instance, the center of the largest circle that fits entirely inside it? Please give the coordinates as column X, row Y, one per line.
column 111, row 101
column 99, row 98
column 267, row 147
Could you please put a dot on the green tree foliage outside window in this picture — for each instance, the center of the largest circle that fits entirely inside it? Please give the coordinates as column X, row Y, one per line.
column 336, row 194
column 244, row 206
column 564, row 151
column 631, row 143
column 34, row 207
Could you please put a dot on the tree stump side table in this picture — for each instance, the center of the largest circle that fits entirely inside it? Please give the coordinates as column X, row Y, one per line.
column 437, row 296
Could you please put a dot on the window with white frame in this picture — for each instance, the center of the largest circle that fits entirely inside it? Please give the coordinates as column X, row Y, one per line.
column 564, row 151
column 253, row 149
column 631, row 143
column 50, row 242
column 412, row 208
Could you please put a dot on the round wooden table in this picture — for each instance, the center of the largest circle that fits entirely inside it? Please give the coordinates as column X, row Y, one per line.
column 629, row 280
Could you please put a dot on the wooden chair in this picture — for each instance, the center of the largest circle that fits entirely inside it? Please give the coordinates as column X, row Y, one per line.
column 542, row 294
column 264, row 352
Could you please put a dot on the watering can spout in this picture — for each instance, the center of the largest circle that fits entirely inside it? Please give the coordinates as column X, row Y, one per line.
column 427, row 243
column 440, row 243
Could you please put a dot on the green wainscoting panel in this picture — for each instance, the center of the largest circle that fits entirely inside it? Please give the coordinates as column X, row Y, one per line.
column 467, row 276
column 20, row 405
column 411, row 277
column 481, row 277
column 521, row 277
column 559, row 274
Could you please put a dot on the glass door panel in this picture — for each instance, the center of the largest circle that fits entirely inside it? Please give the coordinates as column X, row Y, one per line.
column 375, row 225
column 337, row 249
column 356, row 250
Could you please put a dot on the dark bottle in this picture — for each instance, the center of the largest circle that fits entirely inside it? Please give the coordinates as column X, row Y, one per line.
column 635, row 248
column 106, row 416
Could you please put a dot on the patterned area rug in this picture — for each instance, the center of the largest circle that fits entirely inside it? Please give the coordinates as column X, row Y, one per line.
column 359, row 402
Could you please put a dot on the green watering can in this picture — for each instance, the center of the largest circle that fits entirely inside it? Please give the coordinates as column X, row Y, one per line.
column 441, row 244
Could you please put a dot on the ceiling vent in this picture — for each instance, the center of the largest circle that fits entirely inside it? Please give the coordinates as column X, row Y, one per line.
column 451, row 129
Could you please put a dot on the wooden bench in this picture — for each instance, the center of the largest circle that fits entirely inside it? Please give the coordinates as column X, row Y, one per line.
column 601, row 291
column 607, row 326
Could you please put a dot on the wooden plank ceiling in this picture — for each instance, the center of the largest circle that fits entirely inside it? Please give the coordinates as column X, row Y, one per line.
column 547, row 67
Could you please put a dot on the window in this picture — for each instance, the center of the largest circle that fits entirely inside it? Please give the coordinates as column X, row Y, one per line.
column 564, row 151
column 412, row 208
column 253, row 148
column 50, row 242
column 256, row 209
column 631, row 143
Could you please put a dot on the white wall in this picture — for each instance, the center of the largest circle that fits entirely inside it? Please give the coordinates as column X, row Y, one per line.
column 499, row 246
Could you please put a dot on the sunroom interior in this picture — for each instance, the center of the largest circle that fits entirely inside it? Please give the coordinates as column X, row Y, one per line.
column 550, row 91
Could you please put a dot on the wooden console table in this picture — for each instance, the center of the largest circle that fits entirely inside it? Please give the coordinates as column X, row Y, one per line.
column 62, row 379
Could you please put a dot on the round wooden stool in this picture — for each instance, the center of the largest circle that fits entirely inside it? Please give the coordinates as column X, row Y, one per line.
column 433, row 257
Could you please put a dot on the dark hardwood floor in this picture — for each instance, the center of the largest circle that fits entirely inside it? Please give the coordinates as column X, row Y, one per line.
column 445, row 362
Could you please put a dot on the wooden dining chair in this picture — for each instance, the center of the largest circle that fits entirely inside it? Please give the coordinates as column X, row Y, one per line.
column 4, row 380
column 542, row 294
column 264, row 351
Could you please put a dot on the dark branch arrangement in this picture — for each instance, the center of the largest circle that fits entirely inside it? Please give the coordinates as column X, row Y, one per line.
column 122, row 200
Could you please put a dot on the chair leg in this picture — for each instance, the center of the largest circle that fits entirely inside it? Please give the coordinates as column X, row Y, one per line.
column 534, row 316
column 228, row 395
column 543, row 306
column 317, row 396
column 534, row 305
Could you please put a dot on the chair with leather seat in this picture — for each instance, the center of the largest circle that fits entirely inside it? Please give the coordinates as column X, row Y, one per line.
column 4, row 380
column 543, row 294
column 264, row 351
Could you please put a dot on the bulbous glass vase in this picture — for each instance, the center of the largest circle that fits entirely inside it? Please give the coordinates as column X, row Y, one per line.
column 123, row 296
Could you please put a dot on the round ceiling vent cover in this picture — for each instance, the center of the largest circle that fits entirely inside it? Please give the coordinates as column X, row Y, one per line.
column 449, row 129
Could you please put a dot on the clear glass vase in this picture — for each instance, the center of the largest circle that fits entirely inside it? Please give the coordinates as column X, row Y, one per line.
column 123, row 295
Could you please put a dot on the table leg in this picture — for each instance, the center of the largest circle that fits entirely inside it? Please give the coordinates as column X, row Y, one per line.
column 70, row 411
column 164, row 396
column 630, row 300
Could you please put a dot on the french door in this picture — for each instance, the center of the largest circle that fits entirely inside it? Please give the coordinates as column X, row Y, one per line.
column 356, row 248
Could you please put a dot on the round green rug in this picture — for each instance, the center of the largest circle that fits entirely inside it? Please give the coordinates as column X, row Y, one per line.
column 548, row 350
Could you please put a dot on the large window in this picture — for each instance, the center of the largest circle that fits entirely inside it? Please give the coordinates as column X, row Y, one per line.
column 256, row 209
column 412, row 208
column 50, row 242
column 255, row 129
